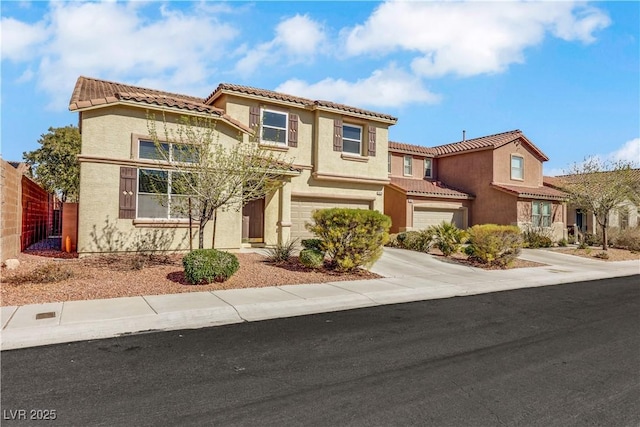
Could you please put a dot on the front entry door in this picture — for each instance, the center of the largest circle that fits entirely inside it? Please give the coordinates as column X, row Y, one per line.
column 253, row 222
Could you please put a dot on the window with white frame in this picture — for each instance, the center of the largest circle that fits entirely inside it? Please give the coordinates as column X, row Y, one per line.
column 352, row 139
column 274, row 127
column 540, row 214
column 427, row 168
column 408, row 165
column 517, row 167
column 162, row 194
column 165, row 151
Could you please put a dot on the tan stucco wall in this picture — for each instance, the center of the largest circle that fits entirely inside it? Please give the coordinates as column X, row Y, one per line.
column 417, row 166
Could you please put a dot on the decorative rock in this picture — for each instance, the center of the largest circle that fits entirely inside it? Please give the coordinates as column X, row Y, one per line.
column 12, row 264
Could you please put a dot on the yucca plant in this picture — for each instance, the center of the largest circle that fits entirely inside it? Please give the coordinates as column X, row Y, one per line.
column 447, row 237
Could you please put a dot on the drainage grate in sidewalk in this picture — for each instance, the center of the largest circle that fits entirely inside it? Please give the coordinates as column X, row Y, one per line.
column 47, row 315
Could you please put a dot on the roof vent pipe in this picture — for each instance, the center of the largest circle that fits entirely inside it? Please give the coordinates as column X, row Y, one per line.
column 464, row 135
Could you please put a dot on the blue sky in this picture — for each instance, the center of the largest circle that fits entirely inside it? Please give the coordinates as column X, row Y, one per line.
column 567, row 74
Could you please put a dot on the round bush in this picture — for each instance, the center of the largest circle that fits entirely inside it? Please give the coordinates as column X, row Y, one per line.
column 312, row 244
column 203, row 266
column 311, row 258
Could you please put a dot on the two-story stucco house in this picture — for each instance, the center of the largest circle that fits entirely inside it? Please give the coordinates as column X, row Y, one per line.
column 338, row 153
column 492, row 179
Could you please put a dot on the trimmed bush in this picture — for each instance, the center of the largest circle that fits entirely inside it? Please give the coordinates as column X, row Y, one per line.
column 416, row 240
column 447, row 237
column 537, row 237
column 311, row 258
column 282, row 251
column 203, row 266
column 351, row 237
column 312, row 244
column 393, row 241
column 494, row 244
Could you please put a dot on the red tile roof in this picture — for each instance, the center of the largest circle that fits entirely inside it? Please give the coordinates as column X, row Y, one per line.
column 399, row 147
column 303, row 102
column 531, row 192
column 422, row 187
column 487, row 142
column 558, row 181
column 475, row 144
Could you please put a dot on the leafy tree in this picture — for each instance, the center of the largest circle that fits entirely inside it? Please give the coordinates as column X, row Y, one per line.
column 55, row 165
column 600, row 187
column 207, row 176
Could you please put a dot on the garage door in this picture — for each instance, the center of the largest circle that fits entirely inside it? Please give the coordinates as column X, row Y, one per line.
column 303, row 207
column 426, row 217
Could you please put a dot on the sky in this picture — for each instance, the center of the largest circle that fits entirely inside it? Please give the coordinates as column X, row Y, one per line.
column 565, row 73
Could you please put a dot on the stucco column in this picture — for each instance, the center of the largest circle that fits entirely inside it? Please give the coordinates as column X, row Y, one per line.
column 284, row 223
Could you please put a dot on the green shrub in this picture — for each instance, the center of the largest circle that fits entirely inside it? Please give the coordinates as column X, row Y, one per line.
column 312, row 244
column 563, row 243
column 351, row 237
column 417, row 240
column 628, row 239
column 203, row 266
column 393, row 241
column 494, row 244
column 447, row 237
column 537, row 237
column 282, row 251
column 311, row 258
column 591, row 239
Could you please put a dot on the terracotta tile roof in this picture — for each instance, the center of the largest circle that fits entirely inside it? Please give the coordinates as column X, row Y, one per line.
column 422, row 187
column 487, row 142
column 91, row 92
column 558, row 181
column 303, row 102
column 531, row 192
column 399, row 147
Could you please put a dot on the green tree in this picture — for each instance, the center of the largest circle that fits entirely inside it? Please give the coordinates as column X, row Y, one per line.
column 208, row 176
column 55, row 164
column 600, row 187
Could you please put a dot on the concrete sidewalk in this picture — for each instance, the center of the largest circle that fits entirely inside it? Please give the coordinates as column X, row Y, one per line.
column 407, row 276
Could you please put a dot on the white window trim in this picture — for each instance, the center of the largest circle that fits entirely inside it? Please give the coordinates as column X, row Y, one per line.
column 542, row 215
column 286, row 127
column 430, row 169
column 359, row 153
column 515, row 156
column 169, row 195
column 404, row 165
column 170, row 148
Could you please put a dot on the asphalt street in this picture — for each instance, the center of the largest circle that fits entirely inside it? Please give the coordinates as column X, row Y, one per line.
column 565, row 355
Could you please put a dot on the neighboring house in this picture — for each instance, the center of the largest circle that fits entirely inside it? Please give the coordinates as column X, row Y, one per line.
column 338, row 152
column 624, row 217
column 493, row 179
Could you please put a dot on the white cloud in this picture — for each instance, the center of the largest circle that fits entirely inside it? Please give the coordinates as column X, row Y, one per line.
column 119, row 41
column 629, row 152
column 20, row 40
column 296, row 39
column 470, row 38
column 389, row 87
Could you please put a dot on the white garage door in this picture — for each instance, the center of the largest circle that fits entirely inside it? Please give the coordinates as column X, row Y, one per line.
column 303, row 207
column 426, row 217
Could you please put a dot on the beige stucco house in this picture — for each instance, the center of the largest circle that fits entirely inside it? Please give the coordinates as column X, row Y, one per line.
column 338, row 154
column 493, row 179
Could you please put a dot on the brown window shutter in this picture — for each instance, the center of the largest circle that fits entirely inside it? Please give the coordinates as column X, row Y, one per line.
column 293, row 130
column 254, row 117
column 337, row 135
column 127, row 193
column 372, row 141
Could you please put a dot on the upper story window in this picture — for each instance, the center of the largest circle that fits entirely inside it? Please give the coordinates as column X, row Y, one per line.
column 428, row 168
column 165, row 151
column 408, row 165
column 541, row 214
column 274, row 127
column 352, row 139
column 517, row 168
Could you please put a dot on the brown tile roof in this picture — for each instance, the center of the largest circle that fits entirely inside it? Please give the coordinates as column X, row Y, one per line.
column 303, row 102
column 422, row 187
column 558, row 181
column 531, row 192
column 487, row 142
column 399, row 147
column 91, row 92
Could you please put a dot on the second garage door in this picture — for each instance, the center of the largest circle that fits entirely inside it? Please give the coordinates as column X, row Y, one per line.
column 303, row 207
column 426, row 217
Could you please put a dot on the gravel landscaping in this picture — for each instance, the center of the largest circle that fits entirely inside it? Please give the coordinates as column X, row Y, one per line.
column 614, row 254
